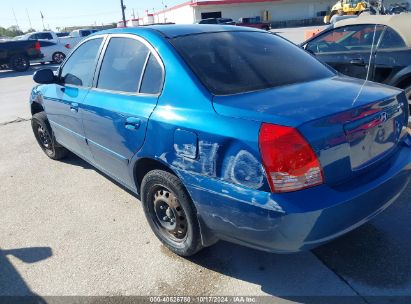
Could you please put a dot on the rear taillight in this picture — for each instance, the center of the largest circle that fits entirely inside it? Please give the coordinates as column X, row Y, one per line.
column 37, row 46
column 67, row 46
column 289, row 161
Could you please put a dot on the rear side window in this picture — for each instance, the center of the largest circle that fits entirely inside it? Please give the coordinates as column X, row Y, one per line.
column 236, row 62
column 153, row 77
column 122, row 65
column 46, row 43
column 79, row 68
column 45, row 36
column 353, row 38
column 391, row 39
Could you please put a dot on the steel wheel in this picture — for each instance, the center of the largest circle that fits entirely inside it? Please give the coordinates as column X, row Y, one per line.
column 170, row 212
column 168, row 215
column 44, row 136
column 44, row 139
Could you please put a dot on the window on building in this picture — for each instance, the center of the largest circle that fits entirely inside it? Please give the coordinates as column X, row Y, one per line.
column 211, row 15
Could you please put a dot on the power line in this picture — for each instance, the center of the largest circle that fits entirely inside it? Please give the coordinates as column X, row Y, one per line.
column 28, row 16
column 86, row 15
column 15, row 18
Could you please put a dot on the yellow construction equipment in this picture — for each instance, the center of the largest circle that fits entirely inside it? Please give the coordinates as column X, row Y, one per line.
column 346, row 7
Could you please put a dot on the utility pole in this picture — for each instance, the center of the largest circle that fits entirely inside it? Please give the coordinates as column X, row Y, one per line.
column 164, row 11
column 123, row 8
column 42, row 19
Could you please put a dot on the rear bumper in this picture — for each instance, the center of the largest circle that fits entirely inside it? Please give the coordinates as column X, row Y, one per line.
column 299, row 220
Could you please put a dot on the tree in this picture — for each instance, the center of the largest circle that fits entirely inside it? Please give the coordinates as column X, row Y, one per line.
column 15, row 30
column 12, row 31
column 30, row 30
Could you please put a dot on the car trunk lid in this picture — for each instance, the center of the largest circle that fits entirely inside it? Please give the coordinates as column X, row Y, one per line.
column 351, row 125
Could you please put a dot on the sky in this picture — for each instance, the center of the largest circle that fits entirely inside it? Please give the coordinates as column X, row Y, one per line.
column 62, row 13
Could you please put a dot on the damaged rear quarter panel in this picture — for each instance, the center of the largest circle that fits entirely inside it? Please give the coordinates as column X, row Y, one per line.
column 225, row 149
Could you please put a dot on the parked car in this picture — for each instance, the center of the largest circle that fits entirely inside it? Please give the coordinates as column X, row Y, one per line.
column 53, row 52
column 44, row 35
column 223, row 137
column 16, row 55
column 226, row 21
column 82, row 32
column 255, row 23
column 73, row 39
column 351, row 47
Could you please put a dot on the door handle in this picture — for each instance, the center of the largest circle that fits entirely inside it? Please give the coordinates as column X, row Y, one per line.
column 74, row 107
column 132, row 123
column 357, row 61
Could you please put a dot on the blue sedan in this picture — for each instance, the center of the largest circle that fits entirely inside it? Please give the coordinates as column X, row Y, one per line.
column 227, row 133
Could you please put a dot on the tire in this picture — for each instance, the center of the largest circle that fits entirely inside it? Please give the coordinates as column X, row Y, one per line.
column 19, row 63
column 58, row 57
column 44, row 136
column 165, row 199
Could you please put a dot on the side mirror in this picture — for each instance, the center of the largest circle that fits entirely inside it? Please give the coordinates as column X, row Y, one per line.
column 44, row 76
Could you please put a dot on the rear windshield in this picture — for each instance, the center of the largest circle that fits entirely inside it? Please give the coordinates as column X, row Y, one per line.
column 236, row 62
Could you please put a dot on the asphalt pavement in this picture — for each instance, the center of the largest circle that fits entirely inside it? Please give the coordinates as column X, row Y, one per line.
column 66, row 229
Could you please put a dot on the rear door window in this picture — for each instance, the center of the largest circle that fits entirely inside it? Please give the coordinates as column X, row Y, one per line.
column 123, row 65
column 153, row 77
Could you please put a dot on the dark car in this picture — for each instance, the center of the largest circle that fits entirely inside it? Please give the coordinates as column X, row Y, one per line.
column 254, row 22
column 377, row 47
column 16, row 55
column 224, row 21
column 223, row 137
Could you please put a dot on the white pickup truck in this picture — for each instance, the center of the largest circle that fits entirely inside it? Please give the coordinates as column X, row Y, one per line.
column 72, row 40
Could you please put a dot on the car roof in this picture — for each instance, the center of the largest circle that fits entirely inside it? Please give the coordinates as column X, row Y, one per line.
column 175, row 30
column 400, row 23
